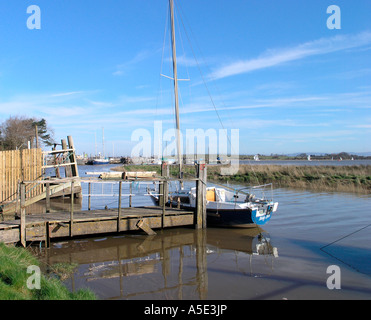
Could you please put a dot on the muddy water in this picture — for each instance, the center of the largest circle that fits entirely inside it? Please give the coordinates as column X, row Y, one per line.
column 288, row 259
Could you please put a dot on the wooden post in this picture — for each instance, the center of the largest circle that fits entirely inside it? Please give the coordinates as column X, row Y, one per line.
column 47, row 234
column 57, row 172
column 165, row 188
column 68, row 173
column 119, row 211
column 74, row 168
column 89, row 197
column 164, row 174
column 36, row 137
column 47, row 197
column 131, row 190
column 23, row 215
column 71, row 211
column 17, row 201
column 200, row 219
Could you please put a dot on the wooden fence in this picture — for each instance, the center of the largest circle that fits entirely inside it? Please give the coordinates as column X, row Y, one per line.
column 16, row 166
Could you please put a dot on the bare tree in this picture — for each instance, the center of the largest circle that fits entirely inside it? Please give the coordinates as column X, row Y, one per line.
column 16, row 132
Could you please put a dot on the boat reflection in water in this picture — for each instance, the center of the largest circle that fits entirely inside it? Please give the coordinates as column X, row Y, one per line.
column 174, row 264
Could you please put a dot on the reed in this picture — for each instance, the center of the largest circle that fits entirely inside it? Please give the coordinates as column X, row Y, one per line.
column 321, row 178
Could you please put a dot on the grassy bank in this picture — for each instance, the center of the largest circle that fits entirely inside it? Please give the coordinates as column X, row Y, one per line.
column 321, row 178
column 14, row 262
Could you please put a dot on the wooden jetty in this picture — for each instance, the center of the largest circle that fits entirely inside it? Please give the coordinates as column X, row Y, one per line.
column 48, row 226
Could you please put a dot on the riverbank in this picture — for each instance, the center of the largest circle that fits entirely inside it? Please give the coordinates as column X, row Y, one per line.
column 14, row 262
column 320, row 178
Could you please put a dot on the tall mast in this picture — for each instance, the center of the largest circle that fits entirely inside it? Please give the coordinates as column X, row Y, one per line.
column 103, row 141
column 175, row 71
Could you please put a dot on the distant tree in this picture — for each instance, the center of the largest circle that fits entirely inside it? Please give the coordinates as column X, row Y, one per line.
column 344, row 155
column 44, row 133
column 16, row 132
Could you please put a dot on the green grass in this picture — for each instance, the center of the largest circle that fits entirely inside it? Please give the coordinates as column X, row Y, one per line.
column 14, row 262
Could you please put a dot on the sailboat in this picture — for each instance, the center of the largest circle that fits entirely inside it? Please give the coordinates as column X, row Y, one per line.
column 101, row 159
column 224, row 207
column 97, row 161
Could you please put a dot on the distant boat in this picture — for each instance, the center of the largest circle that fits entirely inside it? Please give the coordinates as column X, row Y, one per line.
column 309, row 158
column 100, row 161
column 256, row 157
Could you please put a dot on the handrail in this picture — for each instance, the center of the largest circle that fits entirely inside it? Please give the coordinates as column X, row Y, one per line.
column 58, row 151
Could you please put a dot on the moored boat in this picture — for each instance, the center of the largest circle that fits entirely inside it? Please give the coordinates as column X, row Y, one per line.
column 225, row 208
column 100, row 161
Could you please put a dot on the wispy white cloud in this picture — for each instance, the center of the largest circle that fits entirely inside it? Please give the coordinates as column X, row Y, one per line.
column 274, row 57
column 64, row 94
column 361, row 126
column 122, row 68
column 43, row 104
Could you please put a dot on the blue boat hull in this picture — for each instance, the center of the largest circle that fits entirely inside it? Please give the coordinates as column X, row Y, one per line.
column 241, row 218
column 236, row 218
column 95, row 162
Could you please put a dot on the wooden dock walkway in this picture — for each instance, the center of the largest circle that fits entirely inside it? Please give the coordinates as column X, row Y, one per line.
column 44, row 227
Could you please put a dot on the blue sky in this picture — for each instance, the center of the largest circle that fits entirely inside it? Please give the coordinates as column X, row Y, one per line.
column 274, row 70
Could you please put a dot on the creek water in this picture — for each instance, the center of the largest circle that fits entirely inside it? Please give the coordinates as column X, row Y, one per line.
column 286, row 259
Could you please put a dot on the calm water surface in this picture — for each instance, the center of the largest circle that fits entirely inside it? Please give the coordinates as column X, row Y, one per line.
column 287, row 259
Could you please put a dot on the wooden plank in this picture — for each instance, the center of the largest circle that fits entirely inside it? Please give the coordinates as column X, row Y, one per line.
column 9, row 235
column 23, row 216
column 111, row 175
column 56, row 151
column 139, row 174
column 142, row 224
column 11, row 175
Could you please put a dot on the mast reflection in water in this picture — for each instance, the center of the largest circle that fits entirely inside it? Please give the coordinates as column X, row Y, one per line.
column 174, row 264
